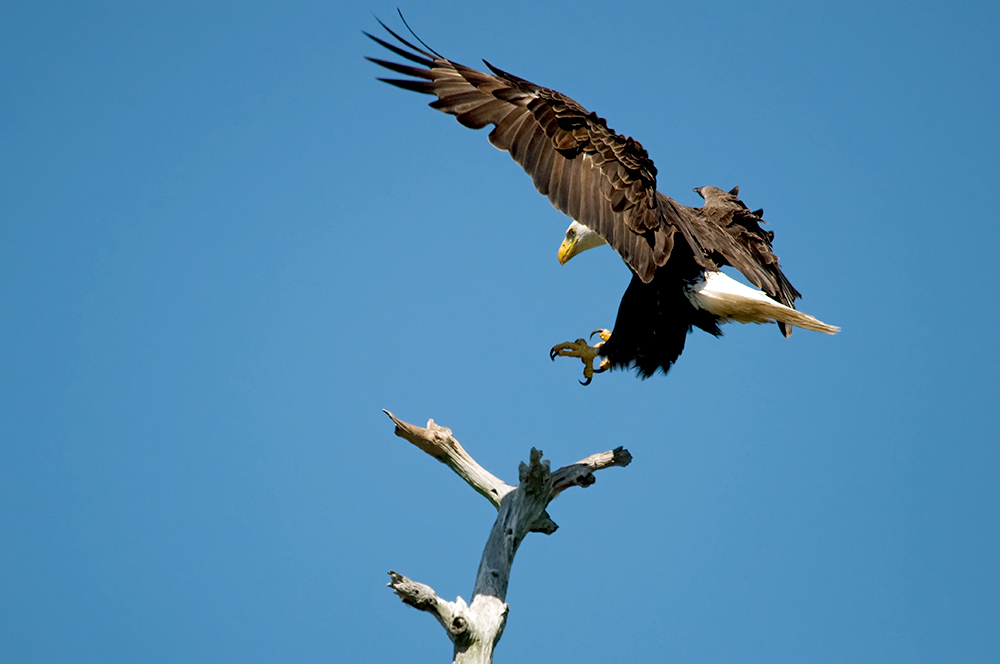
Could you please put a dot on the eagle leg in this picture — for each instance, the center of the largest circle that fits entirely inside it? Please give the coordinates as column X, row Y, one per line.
column 587, row 354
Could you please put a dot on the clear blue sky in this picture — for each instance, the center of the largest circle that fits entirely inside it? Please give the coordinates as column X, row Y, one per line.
column 225, row 247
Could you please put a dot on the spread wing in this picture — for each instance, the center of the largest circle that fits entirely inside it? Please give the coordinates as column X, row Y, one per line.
column 726, row 232
column 757, row 261
column 602, row 179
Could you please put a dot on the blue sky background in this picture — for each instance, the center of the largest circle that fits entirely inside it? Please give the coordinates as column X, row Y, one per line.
column 225, row 247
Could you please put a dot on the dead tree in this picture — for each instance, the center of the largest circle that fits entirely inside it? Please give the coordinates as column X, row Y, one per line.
column 475, row 628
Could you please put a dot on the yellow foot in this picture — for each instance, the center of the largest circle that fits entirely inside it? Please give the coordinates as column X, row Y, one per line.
column 586, row 353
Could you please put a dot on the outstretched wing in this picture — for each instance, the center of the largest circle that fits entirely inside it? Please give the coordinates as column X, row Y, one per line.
column 755, row 243
column 602, row 179
column 726, row 232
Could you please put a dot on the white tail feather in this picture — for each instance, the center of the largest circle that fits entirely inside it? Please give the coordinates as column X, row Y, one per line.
column 728, row 299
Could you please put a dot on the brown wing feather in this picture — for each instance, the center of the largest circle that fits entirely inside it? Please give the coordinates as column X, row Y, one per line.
column 596, row 176
column 732, row 235
column 726, row 232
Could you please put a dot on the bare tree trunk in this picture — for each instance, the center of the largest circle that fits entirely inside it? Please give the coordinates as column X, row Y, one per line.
column 476, row 628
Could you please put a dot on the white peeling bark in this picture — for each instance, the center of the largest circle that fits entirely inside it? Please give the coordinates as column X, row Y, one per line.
column 476, row 628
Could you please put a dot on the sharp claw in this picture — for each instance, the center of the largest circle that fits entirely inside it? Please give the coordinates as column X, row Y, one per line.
column 552, row 354
column 587, row 382
column 604, row 334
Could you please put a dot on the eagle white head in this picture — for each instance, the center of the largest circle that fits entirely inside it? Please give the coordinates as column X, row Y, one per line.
column 578, row 238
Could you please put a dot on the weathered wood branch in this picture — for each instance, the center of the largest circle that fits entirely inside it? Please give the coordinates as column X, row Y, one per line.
column 476, row 628
column 453, row 616
column 440, row 444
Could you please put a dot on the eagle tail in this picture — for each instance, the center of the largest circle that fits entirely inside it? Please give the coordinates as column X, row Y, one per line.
column 728, row 299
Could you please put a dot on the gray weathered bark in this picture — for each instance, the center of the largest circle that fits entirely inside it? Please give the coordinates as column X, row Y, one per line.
column 476, row 628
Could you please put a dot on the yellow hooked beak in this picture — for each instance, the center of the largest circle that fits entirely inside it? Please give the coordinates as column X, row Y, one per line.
column 567, row 250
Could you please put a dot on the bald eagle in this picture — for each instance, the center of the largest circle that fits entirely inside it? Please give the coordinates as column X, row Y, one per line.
column 606, row 182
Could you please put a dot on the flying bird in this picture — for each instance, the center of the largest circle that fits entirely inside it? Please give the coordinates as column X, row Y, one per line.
column 606, row 183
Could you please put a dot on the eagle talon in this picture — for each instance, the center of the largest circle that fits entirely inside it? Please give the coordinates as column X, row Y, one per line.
column 587, row 354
